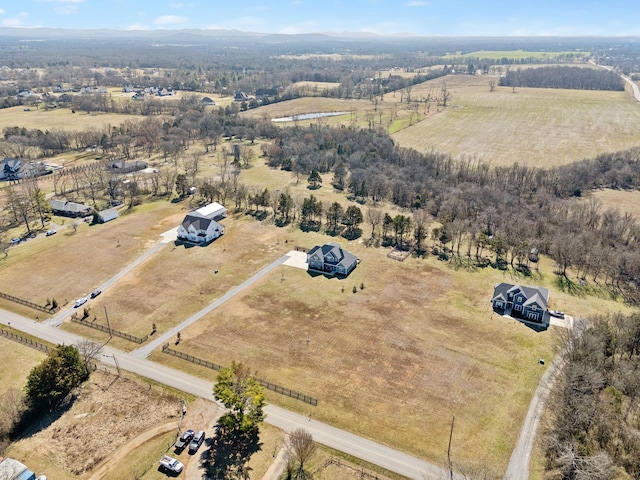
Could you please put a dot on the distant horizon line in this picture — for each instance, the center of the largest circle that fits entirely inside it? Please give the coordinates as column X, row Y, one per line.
column 22, row 28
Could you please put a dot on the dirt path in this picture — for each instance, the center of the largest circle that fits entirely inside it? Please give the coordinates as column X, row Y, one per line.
column 105, row 465
column 201, row 415
column 277, row 467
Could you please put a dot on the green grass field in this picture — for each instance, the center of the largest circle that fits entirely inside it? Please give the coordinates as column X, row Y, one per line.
column 536, row 127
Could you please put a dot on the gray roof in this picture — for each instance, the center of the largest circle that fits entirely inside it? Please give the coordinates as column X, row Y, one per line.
column 108, row 214
column 65, row 206
column 534, row 294
column 333, row 249
column 198, row 221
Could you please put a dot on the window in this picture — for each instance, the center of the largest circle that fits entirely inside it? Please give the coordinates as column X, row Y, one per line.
column 499, row 304
column 518, row 308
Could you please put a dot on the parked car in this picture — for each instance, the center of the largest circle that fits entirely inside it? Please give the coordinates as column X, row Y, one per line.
column 95, row 293
column 556, row 313
column 15, row 241
column 51, row 232
column 79, row 302
column 197, row 441
column 184, row 440
column 170, row 464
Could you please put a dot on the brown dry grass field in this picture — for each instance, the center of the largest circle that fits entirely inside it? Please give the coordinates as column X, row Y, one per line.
column 17, row 361
column 69, row 265
column 627, row 201
column 394, row 361
column 60, row 118
column 536, row 127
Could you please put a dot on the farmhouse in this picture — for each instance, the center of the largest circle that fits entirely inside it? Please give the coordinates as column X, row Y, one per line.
column 527, row 303
column 331, row 259
column 11, row 469
column 200, row 226
column 69, row 209
column 10, row 169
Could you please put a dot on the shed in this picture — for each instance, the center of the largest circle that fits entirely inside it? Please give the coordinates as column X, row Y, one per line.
column 213, row 211
column 107, row 215
column 11, row 469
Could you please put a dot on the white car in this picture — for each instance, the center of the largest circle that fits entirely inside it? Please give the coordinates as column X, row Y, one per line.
column 171, row 464
column 80, row 302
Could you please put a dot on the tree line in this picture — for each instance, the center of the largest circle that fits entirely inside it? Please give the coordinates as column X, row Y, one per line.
column 592, row 427
column 576, row 78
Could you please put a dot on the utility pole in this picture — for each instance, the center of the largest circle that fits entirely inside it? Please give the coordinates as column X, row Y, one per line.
column 108, row 324
column 453, row 420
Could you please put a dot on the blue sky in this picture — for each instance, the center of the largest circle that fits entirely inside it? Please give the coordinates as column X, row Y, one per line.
column 421, row 17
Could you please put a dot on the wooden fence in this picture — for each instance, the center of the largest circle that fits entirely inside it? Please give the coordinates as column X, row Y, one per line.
column 25, row 341
column 103, row 328
column 27, row 303
column 268, row 385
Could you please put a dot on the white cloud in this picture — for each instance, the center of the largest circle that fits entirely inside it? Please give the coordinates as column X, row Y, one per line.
column 66, row 9
column 16, row 21
column 170, row 20
column 416, row 3
column 137, row 26
column 1, row 11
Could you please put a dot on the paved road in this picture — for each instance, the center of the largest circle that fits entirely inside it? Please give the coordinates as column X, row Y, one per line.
column 144, row 352
column 349, row 443
column 634, row 86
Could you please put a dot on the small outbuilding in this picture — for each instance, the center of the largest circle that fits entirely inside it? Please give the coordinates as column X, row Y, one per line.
column 107, row 215
column 331, row 259
column 11, row 469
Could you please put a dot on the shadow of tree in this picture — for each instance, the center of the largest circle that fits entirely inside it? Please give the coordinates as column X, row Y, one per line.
column 230, row 452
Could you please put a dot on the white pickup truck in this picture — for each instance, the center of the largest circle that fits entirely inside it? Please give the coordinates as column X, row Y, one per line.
column 171, row 464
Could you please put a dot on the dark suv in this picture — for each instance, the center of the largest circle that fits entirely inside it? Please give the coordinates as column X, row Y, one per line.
column 184, row 440
column 196, row 442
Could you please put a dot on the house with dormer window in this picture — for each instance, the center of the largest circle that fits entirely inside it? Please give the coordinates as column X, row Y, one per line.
column 200, row 226
column 331, row 259
column 522, row 302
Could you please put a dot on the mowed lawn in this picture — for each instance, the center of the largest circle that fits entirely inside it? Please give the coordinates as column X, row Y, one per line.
column 60, row 118
column 536, row 127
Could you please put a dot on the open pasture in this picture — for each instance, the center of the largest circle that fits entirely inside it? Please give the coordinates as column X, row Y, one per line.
column 17, row 361
column 536, row 127
column 59, row 118
column 393, row 361
column 71, row 264
column 627, row 201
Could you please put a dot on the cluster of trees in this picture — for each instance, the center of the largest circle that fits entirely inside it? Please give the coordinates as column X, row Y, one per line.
column 593, row 425
column 238, row 430
column 563, row 77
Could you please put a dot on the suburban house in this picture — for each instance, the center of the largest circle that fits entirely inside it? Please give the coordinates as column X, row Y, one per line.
column 69, row 209
column 200, row 226
column 10, row 169
column 11, row 469
column 240, row 96
column 527, row 303
column 331, row 259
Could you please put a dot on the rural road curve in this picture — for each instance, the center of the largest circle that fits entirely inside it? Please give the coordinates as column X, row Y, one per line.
column 346, row 442
column 634, row 86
